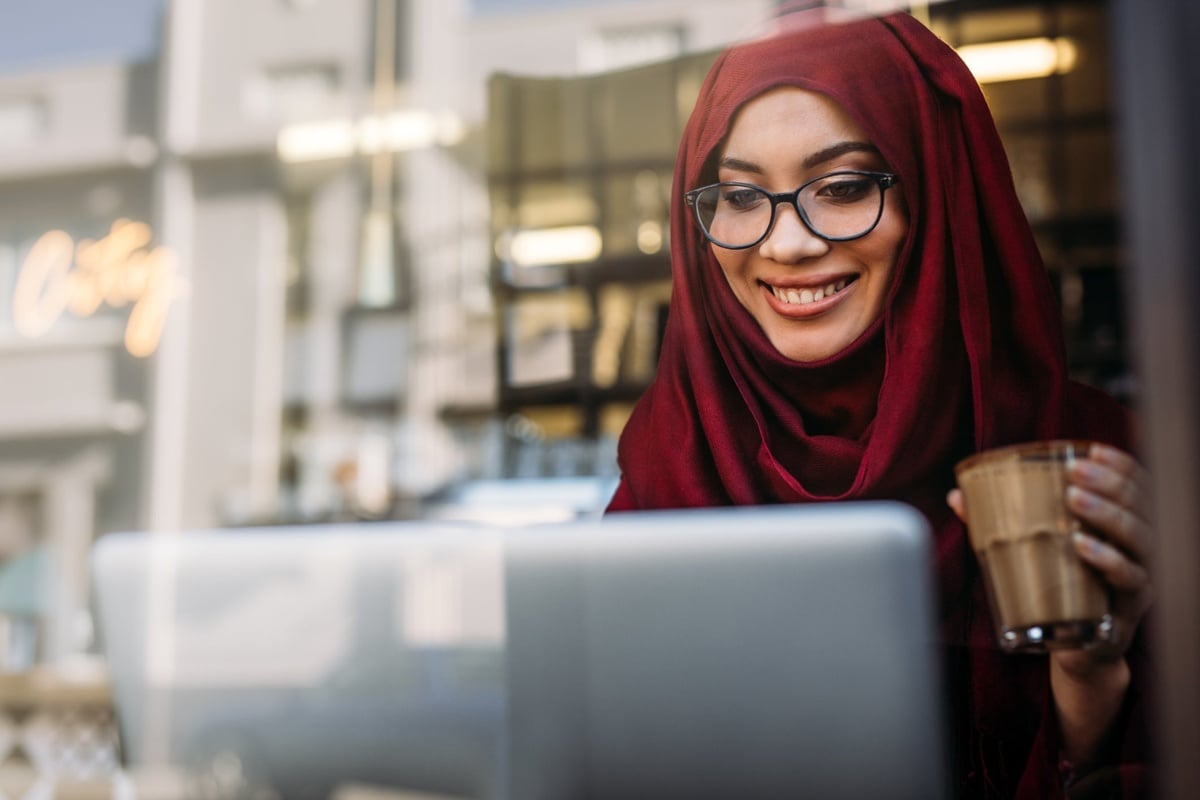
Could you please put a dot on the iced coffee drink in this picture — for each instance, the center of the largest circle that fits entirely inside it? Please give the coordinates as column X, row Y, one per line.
column 1042, row 594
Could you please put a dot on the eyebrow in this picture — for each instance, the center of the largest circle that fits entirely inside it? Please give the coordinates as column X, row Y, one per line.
column 814, row 160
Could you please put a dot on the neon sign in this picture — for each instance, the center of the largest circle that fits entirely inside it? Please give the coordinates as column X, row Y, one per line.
column 119, row 269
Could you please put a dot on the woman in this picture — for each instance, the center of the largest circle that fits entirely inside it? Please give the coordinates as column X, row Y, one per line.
column 858, row 352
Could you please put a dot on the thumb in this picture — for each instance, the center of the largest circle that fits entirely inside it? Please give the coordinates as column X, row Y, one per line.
column 954, row 499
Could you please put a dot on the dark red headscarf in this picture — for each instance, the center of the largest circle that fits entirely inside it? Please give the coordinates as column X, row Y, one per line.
column 972, row 326
column 968, row 354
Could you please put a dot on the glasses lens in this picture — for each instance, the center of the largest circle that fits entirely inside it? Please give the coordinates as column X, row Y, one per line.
column 842, row 205
column 733, row 214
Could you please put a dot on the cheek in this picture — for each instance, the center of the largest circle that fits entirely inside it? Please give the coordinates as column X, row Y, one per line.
column 732, row 266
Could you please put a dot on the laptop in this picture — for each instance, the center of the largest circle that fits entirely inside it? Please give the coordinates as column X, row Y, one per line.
column 784, row 651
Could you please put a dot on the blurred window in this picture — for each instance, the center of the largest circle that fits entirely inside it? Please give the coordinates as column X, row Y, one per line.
column 22, row 122
column 1057, row 129
column 8, row 280
column 499, row 7
column 295, row 92
column 608, row 50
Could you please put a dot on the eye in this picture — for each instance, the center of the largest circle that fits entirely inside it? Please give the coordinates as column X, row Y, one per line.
column 740, row 198
column 845, row 189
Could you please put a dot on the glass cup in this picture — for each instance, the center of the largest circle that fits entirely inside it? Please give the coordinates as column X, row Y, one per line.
column 1042, row 595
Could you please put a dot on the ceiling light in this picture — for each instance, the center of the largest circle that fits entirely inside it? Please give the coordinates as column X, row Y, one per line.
column 397, row 131
column 1019, row 59
column 314, row 141
column 569, row 245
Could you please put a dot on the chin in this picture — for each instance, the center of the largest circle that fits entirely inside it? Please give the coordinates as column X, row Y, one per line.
column 812, row 347
column 808, row 352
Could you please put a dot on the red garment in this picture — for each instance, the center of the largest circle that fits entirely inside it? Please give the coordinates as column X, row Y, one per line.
column 967, row 355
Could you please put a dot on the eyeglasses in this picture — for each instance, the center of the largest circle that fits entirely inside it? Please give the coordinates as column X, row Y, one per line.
column 837, row 207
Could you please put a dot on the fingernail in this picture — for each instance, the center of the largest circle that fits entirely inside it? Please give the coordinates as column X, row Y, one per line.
column 1088, row 544
column 1079, row 498
column 1086, row 470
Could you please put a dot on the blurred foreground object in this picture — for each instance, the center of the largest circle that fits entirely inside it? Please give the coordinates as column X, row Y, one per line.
column 1158, row 72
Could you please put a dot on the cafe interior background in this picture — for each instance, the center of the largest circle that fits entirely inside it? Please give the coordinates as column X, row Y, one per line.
column 296, row 261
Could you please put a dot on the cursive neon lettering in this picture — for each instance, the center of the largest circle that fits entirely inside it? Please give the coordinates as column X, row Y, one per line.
column 41, row 291
column 117, row 270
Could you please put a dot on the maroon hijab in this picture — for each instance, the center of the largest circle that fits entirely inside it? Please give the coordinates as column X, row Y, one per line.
column 972, row 327
column 968, row 354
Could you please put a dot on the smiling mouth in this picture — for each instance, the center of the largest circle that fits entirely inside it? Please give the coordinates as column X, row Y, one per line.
column 802, row 297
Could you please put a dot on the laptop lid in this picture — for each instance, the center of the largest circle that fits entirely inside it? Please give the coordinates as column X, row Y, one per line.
column 775, row 652
column 294, row 662
column 744, row 652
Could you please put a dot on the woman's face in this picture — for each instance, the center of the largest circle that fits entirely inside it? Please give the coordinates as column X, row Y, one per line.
column 779, row 141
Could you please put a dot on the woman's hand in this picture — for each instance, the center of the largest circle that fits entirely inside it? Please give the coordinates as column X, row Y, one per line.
column 1109, row 491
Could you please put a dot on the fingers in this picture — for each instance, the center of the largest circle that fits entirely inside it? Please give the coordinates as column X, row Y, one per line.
column 955, row 500
column 1108, row 493
column 1119, row 461
column 1117, row 568
column 1110, row 479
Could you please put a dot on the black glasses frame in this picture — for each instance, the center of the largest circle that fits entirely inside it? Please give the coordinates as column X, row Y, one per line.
column 885, row 181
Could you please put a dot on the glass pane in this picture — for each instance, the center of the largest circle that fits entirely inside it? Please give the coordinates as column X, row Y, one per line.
column 556, row 422
column 638, row 120
column 552, row 204
column 1086, row 88
column 689, row 76
column 500, row 129
column 613, row 419
column 552, row 224
column 503, row 213
column 1029, row 157
column 1018, row 101
column 553, row 123
column 995, row 26
column 629, row 333
column 635, row 212
column 541, row 331
column 1091, row 170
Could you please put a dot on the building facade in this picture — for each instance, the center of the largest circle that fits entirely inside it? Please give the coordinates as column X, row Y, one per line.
column 203, row 323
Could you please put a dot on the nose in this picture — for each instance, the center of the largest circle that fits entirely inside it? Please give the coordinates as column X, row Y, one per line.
column 790, row 240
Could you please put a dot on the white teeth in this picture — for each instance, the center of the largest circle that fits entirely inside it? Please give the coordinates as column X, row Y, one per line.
column 806, row 296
